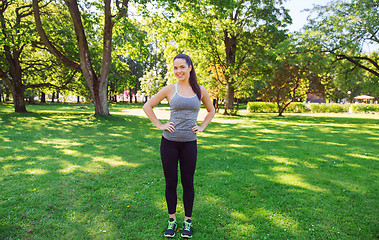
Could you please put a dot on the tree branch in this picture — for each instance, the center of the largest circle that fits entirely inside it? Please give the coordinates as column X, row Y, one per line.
column 352, row 60
column 52, row 49
column 64, row 86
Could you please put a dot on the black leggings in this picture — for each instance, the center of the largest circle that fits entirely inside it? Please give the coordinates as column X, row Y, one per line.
column 186, row 153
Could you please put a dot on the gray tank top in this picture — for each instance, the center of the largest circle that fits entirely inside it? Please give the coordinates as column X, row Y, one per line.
column 184, row 112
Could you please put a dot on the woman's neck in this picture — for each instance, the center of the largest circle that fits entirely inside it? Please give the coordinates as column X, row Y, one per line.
column 183, row 83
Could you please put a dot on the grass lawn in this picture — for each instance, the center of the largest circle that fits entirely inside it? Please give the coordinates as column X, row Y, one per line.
column 66, row 174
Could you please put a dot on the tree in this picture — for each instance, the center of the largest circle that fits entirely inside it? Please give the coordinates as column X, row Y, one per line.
column 97, row 82
column 22, row 62
column 15, row 39
column 151, row 83
column 232, row 35
column 347, row 30
column 286, row 85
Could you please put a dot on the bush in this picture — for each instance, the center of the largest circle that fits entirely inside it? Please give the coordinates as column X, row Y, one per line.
column 262, row 107
column 297, row 107
column 328, row 107
column 366, row 108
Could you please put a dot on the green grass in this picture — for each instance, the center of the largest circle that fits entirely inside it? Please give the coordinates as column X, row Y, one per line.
column 66, row 174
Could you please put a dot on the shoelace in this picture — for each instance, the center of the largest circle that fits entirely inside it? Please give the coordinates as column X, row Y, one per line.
column 187, row 226
column 171, row 225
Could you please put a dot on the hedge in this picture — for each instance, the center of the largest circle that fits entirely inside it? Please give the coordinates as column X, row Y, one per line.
column 299, row 107
column 365, row 108
column 262, row 107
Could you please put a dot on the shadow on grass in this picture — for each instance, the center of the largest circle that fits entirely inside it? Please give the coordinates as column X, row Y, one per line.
column 73, row 175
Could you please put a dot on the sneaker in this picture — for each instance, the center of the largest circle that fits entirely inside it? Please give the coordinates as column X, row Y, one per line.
column 187, row 229
column 171, row 227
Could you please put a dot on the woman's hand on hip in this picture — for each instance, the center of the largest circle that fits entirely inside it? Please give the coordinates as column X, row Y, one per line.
column 168, row 127
column 197, row 129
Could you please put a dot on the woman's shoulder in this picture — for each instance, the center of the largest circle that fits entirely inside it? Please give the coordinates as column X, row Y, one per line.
column 168, row 88
column 203, row 89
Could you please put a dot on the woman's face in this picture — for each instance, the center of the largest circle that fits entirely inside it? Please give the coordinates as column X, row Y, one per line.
column 181, row 69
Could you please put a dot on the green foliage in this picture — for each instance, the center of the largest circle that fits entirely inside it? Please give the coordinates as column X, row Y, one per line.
column 366, row 108
column 328, row 107
column 299, row 107
column 344, row 29
column 151, row 83
column 228, row 41
column 262, row 107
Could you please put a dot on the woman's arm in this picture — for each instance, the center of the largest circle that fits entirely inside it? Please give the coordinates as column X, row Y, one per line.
column 210, row 108
column 151, row 103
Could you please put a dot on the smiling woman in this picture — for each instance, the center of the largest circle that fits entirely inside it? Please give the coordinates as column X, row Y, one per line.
column 179, row 136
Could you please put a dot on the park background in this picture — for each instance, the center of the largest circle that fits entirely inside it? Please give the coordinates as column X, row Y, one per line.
column 291, row 155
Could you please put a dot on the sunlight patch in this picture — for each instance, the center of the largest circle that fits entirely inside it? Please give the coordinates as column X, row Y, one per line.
column 69, row 168
column 161, row 205
column 59, row 143
column 278, row 219
column 93, row 168
column 239, row 216
column 279, row 159
column 362, row 156
column 8, row 166
column 331, row 143
column 353, row 165
column 36, row 171
column 5, row 139
column 116, row 135
column 31, row 148
column 115, row 162
column 333, row 157
column 220, row 173
column 71, row 152
column 282, row 169
column 210, row 199
column 295, row 180
column 267, row 131
column 242, row 229
column 237, row 146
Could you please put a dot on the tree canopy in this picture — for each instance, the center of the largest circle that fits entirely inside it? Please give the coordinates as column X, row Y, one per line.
column 240, row 48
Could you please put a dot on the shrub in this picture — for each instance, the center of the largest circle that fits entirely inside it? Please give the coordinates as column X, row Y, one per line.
column 262, row 107
column 337, row 108
column 328, row 107
column 366, row 108
column 297, row 107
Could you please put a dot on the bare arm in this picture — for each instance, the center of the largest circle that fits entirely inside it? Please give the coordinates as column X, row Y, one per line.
column 149, row 105
column 210, row 108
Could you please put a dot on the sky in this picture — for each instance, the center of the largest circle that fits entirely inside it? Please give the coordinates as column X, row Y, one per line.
column 299, row 18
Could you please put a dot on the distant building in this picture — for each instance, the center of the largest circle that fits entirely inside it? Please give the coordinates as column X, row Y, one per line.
column 315, row 98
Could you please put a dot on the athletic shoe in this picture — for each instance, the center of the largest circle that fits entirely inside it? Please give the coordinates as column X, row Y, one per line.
column 171, row 227
column 187, row 229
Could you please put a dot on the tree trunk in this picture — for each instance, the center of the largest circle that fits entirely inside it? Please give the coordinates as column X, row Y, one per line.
column 19, row 100
column 15, row 84
column 230, row 43
column 229, row 97
column 52, row 97
column 43, row 97
column 130, row 95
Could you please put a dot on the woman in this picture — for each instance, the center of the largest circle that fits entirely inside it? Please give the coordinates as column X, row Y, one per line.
column 178, row 142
